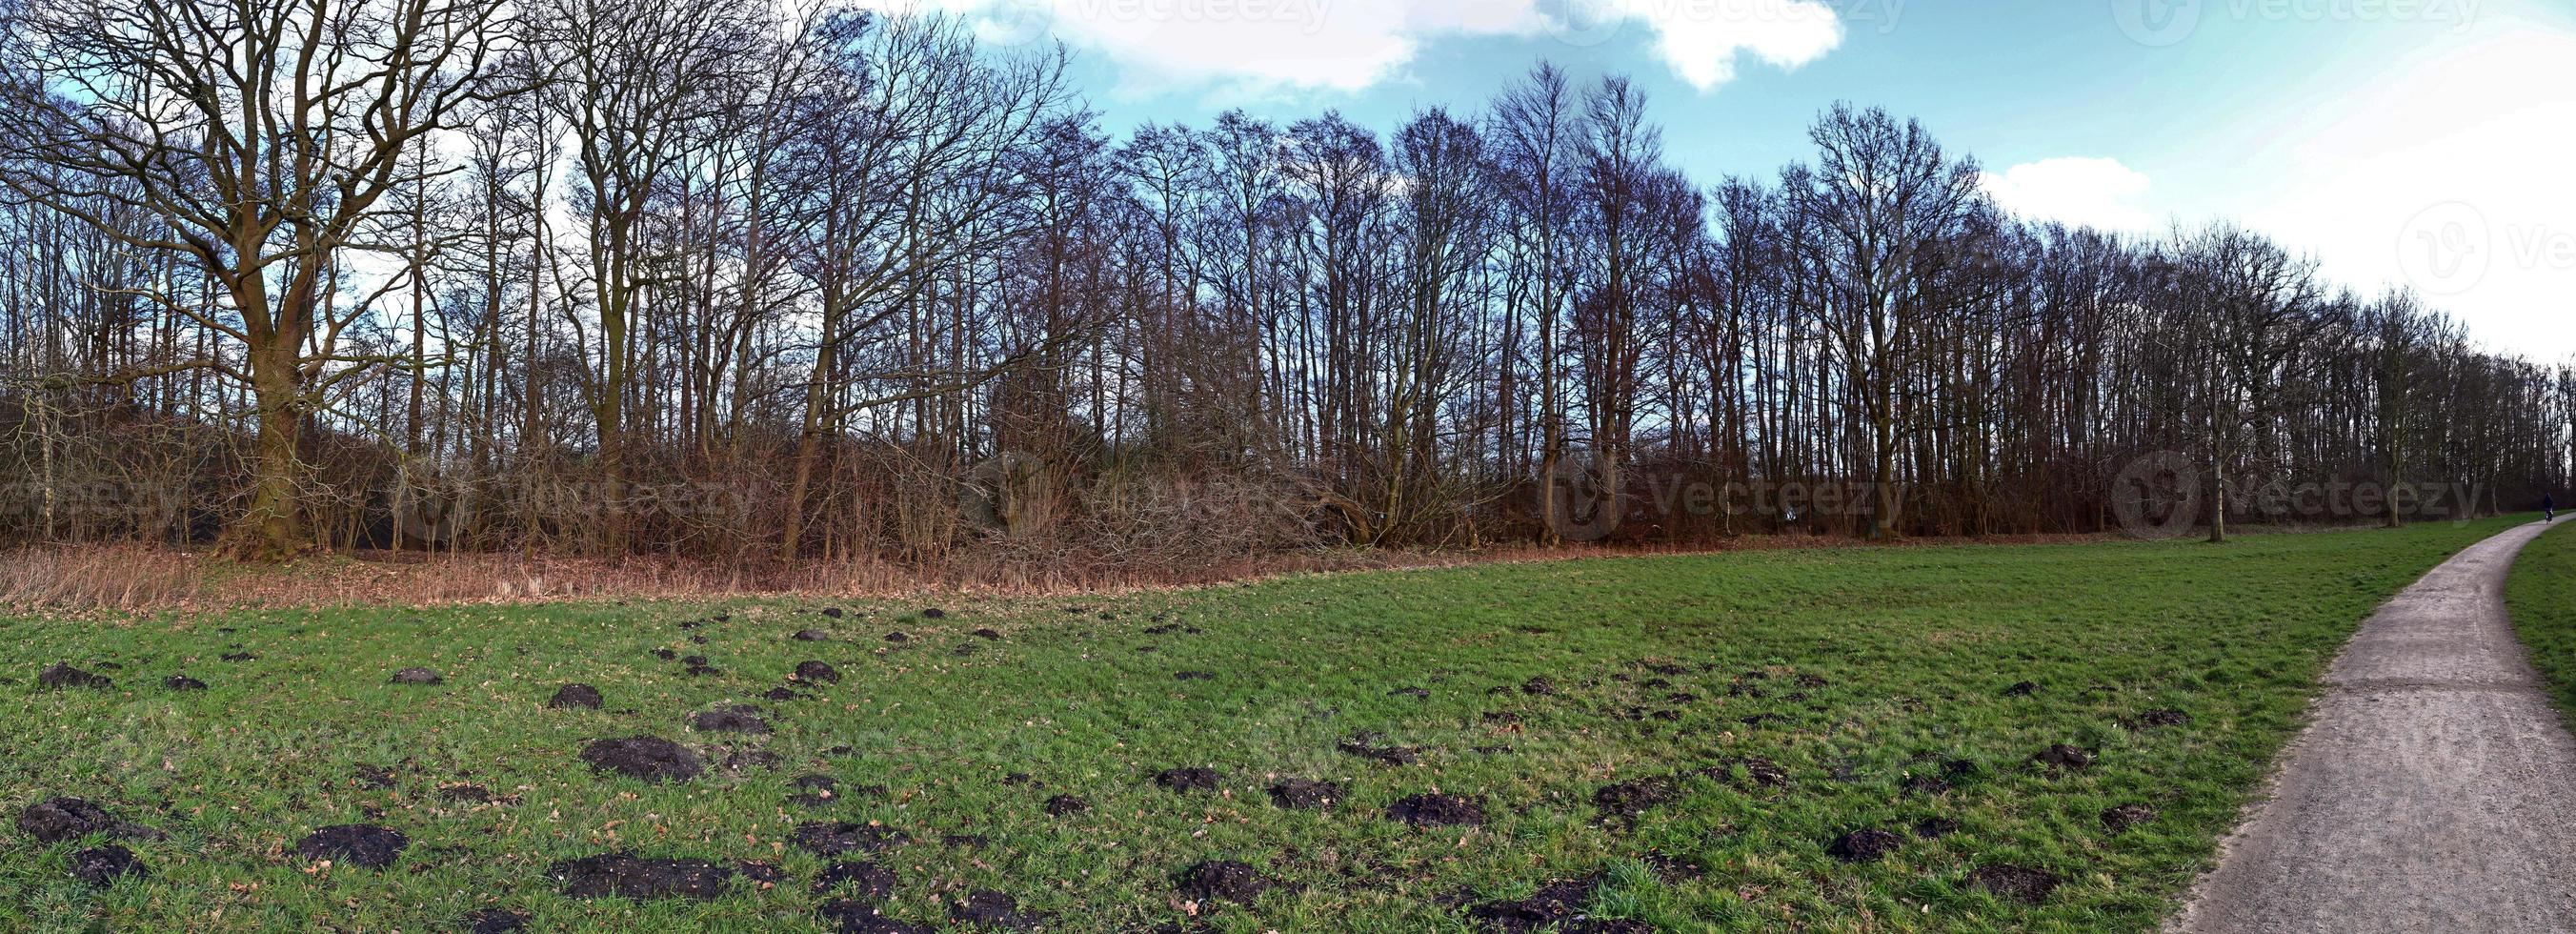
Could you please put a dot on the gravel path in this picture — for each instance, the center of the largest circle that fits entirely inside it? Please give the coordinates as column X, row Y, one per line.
column 2433, row 791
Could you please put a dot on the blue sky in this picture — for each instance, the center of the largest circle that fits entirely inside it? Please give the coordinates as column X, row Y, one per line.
column 2425, row 143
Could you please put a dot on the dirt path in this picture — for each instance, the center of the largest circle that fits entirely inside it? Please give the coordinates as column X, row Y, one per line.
column 2434, row 791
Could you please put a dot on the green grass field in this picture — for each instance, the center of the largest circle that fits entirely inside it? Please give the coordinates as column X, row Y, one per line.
column 1877, row 681
column 2542, row 596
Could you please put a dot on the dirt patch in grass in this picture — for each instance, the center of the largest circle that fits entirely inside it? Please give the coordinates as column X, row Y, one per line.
column 650, row 758
column 1437, row 810
column 365, row 845
column 618, row 875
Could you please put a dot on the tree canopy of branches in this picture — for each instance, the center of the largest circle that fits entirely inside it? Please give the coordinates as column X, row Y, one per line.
column 625, row 276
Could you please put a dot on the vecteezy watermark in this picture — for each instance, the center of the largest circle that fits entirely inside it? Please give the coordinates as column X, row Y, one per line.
column 1586, row 23
column 90, row 503
column 2168, row 22
column 1576, row 504
column 2449, row 248
column 2167, row 494
column 439, row 511
column 1014, row 21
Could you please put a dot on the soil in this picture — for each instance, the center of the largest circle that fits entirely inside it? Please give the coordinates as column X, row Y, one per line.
column 1538, row 687
column 417, row 676
column 898, row 637
column 987, row 908
column 493, row 921
column 863, row 877
column 2126, row 816
column 2019, row 883
column 650, row 758
column 853, row 917
column 375, row 777
column 365, row 845
column 466, row 794
column 781, row 695
column 183, row 683
column 987, row 634
column 1437, row 810
column 832, row 612
column 1557, row 905
column 1194, row 676
column 618, row 875
column 1187, row 780
column 1934, row 828
column 817, row 672
column 809, row 635
column 2021, row 689
column 831, row 838
column 1632, row 798
column 60, row 675
column 700, row 669
column 665, row 654
column 1223, row 880
column 734, row 719
column 1298, row 794
column 2065, row 758
column 2164, row 717
column 1868, row 845
column 1363, row 747
column 55, row 820
column 1066, row 805
column 575, row 695
column 1759, row 771
column 240, row 657
column 105, row 864
column 934, row 613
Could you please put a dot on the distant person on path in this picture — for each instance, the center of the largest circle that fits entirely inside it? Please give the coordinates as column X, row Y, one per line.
column 2549, row 504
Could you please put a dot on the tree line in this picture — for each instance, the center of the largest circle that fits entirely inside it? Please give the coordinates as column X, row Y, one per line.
column 619, row 277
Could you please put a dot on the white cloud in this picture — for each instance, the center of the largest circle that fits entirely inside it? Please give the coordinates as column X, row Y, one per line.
column 1348, row 45
column 2079, row 192
column 2449, row 176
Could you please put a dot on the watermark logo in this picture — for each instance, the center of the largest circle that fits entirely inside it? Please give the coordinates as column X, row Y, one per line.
column 1583, row 23
column 1577, row 501
column 2446, row 249
column 2167, row 494
column 2156, row 23
column 2157, row 496
column 1013, row 22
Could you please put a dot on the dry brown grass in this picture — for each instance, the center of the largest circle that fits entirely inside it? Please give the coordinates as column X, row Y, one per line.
column 129, row 579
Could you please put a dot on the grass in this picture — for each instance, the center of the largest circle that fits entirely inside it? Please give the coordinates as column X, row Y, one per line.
column 1879, row 665
column 2541, row 594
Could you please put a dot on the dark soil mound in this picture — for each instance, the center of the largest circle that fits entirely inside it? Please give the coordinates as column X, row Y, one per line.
column 809, row 635
column 781, row 694
column 60, row 675
column 934, row 613
column 2021, row 689
column 987, row 633
column 832, row 612
column 1758, row 771
column 183, row 683
column 1224, row 880
column 1300, row 794
column 360, row 844
column 829, row 838
column 853, row 917
column 494, row 921
column 1415, row 693
column 622, row 876
column 575, row 695
column 986, row 908
column 1538, row 687
column 2126, row 816
column 729, row 720
column 862, row 877
column 665, row 654
column 2065, row 758
column 1193, row 676
column 2019, row 883
column 1065, row 805
column 1364, row 746
column 1867, row 845
column 1934, row 828
column 1437, row 810
column 817, row 672
column 466, row 794
column 1557, row 905
column 898, row 637
column 650, row 758
column 1632, row 798
column 106, row 864
column 55, row 820
column 2163, row 717
column 417, row 676
column 240, row 657
column 1184, row 780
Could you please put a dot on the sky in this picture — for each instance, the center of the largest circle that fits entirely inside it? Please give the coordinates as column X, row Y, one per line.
column 2428, row 144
